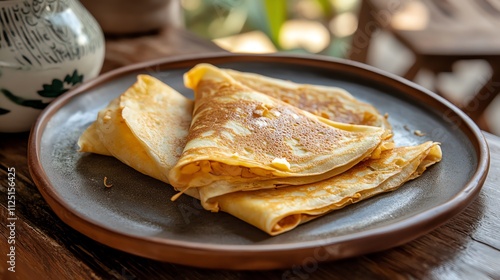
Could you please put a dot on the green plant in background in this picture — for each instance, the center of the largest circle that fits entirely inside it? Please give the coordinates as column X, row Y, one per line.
column 275, row 13
column 220, row 18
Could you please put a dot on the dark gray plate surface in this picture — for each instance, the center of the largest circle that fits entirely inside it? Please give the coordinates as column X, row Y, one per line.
column 137, row 216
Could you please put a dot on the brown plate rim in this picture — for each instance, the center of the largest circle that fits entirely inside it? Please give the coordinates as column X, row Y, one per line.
column 263, row 256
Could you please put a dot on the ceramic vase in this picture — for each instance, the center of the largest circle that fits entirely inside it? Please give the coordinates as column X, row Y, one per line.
column 46, row 48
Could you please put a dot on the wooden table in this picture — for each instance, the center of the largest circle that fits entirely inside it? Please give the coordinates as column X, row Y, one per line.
column 466, row 247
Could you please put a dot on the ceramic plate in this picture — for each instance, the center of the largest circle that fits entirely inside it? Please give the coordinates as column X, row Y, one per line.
column 137, row 216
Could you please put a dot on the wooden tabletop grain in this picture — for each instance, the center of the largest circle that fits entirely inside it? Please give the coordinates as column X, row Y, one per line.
column 466, row 247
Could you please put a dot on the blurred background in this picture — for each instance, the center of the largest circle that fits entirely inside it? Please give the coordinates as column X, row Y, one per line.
column 300, row 26
column 327, row 27
column 451, row 47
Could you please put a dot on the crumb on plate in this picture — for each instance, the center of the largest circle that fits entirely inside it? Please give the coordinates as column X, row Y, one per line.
column 106, row 183
column 419, row 133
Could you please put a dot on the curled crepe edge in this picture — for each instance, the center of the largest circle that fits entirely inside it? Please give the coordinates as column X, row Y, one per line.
column 289, row 220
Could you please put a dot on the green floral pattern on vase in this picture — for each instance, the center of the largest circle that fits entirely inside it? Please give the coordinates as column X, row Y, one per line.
column 46, row 48
column 36, row 104
column 3, row 111
column 56, row 88
column 59, row 87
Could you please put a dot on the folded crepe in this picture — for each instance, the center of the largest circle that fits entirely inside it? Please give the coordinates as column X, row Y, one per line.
column 332, row 103
column 241, row 139
column 279, row 210
column 145, row 127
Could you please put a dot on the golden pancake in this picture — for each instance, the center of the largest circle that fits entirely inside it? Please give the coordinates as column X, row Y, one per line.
column 145, row 127
column 242, row 139
column 279, row 210
column 332, row 103
column 260, row 159
column 89, row 141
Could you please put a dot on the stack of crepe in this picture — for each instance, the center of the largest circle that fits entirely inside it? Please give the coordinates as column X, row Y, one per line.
column 271, row 152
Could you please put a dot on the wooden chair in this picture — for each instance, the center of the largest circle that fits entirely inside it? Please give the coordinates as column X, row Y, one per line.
column 439, row 33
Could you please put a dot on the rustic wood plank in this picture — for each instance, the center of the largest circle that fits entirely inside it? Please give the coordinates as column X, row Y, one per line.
column 169, row 41
column 37, row 254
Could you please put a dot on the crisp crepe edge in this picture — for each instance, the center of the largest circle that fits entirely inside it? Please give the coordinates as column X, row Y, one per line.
column 288, row 221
